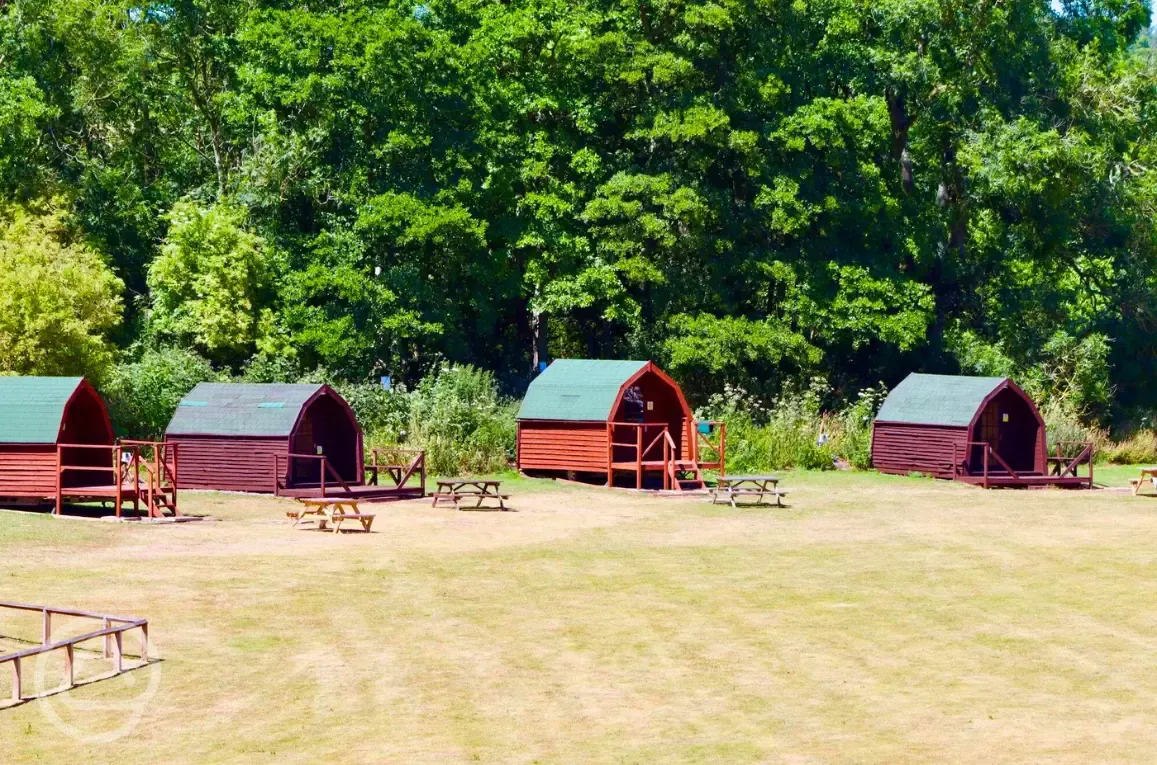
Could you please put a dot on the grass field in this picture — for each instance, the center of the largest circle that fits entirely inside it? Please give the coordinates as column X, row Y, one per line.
column 876, row 620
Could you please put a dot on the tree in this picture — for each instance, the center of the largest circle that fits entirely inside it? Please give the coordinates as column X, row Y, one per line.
column 211, row 282
column 58, row 300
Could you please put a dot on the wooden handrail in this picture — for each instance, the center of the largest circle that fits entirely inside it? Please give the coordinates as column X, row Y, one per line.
column 112, row 627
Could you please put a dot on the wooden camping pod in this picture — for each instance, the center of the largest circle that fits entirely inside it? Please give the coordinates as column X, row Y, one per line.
column 981, row 430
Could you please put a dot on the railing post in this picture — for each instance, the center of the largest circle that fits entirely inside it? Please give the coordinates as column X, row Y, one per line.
column 59, row 472
column 69, row 665
column 118, row 651
column 17, row 689
column 722, row 448
column 46, row 628
column 323, row 477
column 987, row 449
column 107, row 646
column 638, row 456
column 119, row 477
column 1092, row 449
column 173, row 476
column 145, row 643
column 667, row 464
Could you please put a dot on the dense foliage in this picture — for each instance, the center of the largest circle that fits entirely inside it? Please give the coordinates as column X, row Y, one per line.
column 754, row 194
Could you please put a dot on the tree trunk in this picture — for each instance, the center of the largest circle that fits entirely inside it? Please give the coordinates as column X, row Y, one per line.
column 539, row 341
column 901, row 122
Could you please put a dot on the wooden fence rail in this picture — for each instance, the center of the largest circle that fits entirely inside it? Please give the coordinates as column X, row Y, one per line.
column 112, row 630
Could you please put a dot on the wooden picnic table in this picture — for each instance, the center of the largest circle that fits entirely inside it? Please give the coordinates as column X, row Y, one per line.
column 759, row 487
column 457, row 490
column 333, row 510
column 1147, row 474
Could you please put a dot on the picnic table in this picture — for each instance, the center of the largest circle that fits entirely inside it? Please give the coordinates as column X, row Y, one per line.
column 333, row 510
column 459, row 490
column 733, row 487
column 1147, row 474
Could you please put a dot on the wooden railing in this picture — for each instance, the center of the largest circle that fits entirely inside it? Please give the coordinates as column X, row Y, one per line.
column 1062, row 466
column 324, row 469
column 637, row 445
column 112, row 630
column 719, row 447
column 1059, row 466
column 988, row 454
column 395, row 466
column 157, row 460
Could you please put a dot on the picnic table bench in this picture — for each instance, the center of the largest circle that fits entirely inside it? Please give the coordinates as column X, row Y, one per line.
column 459, row 490
column 333, row 510
column 1147, row 474
column 736, row 487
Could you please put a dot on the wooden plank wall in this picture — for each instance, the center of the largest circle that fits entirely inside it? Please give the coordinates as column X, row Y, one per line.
column 28, row 470
column 228, row 464
column 577, row 446
column 905, row 448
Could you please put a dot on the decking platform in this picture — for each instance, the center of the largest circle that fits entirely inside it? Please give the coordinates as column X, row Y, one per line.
column 361, row 492
column 1028, row 481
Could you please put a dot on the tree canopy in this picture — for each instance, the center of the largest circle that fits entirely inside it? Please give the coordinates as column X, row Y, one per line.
column 754, row 192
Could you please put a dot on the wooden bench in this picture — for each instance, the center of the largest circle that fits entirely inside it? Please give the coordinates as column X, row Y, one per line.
column 333, row 511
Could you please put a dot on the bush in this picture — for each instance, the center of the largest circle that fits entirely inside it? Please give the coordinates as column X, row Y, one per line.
column 462, row 422
column 1062, row 424
column 1141, row 447
column 794, row 431
column 143, row 394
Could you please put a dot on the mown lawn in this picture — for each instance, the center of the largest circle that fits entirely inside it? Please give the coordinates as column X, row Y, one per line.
column 878, row 619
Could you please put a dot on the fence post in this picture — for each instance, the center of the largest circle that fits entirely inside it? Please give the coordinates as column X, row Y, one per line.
column 987, row 449
column 17, row 689
column 107, row 647
column 145, row 643
column 46, row 630
column 118, row 652
column 323, row 477
column 69, row 665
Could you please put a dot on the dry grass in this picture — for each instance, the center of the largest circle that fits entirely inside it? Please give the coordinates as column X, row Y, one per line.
column 883, row 620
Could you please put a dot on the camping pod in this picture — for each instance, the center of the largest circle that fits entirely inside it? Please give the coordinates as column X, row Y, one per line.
column 588, row 417
column 46, row 422
column 982, row 430
column 265, row 437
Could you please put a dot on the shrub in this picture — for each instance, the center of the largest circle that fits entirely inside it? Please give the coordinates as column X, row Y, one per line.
column 1062, row 424
column 462, row 422
column 1138, row 448
column 794, row 431
column 143, row 394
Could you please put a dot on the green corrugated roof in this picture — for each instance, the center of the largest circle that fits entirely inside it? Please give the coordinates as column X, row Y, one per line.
column 31, row 408
column 240, row 409
column 950, row 400
column 577, row 389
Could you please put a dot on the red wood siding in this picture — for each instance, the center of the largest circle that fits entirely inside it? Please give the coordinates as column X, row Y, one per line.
column 906, row 448
column 28, row 470
column 578, row 446
column 228, row 464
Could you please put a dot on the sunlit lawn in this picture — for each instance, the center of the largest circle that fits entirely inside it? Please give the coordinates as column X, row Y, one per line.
column 877, row 619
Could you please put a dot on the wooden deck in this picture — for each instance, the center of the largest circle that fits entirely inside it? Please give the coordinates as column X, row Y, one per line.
column 1028, row 481
column 360, row 492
